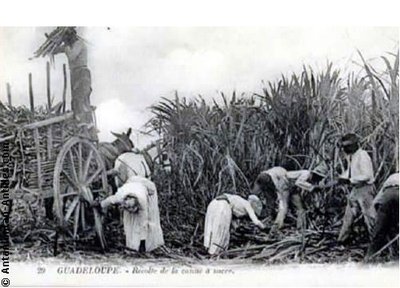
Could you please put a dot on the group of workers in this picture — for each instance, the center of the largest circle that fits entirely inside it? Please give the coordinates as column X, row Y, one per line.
column 380, row 213
column 137, row 196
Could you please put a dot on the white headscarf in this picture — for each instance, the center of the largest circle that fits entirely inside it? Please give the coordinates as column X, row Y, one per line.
column 255, row 203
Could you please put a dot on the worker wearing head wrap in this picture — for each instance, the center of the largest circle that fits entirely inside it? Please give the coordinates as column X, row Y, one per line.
column 219, row 216
column 386, row 204
column 282, row 182
column 138, row 198
column 360, row 176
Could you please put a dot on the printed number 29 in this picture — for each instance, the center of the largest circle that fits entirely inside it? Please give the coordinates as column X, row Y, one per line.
column 41, row 270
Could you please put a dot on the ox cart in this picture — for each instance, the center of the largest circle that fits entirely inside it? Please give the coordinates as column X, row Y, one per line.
column 55, row 162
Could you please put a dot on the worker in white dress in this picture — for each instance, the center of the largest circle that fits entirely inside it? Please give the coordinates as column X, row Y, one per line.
column 141, row 216
column 219, row 216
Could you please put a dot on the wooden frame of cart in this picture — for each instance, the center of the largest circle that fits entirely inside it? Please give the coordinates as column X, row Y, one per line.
column 61, row 166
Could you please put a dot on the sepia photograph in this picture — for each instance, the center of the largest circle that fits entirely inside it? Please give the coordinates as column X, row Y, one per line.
column 198, row 156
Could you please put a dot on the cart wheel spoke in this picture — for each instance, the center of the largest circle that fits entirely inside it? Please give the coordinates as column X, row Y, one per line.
column 80, row 174
column 70, row 234
column 87, row 164
column 83, row 217
column 68, row 194
column 71, row 208
column 92, row 177
column 76, row 219
column 71, row 157
column 99, row 228
column 70, row 180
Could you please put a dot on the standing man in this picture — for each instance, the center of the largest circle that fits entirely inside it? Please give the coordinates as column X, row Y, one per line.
column 66, row 40
column 360, row 176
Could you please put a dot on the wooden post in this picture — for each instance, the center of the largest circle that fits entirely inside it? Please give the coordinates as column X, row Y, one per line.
column 9, row 94
column 49, row 141
column 36, row 137
column 48, row 85
column 31, row 101
column 64, row 99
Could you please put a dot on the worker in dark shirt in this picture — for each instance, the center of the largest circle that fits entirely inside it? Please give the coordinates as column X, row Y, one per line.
column 386, row 204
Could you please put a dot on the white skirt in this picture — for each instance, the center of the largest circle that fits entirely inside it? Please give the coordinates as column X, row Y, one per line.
column 155, row 237
column 217, row 225
column 144, row 225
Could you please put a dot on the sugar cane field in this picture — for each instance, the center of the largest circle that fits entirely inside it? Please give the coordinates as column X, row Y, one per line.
column 205, row 147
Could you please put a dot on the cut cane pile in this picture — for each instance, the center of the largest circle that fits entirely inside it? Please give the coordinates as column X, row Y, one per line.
column 27, row 218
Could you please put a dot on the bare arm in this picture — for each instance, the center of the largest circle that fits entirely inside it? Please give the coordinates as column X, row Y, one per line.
column 345, row 173
column 302, row 182
column 113, row 199
column 253, row 215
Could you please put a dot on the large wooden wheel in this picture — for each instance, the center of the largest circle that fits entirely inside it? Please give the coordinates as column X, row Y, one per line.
column 79, row 178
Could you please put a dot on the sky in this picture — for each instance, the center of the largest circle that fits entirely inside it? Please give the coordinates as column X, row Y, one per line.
column 133, row 67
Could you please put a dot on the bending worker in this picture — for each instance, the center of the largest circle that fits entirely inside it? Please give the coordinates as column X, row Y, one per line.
column 141, row 217
column 285, row 183
column 386, row 204
column 219, row 216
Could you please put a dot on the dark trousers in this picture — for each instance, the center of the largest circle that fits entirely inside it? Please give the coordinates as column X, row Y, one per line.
column 387, row 220
column 142, row 246
column 360, row 198
column 80, row 102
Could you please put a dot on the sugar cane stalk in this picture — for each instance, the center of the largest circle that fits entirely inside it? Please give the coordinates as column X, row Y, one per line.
column 9, row 94
column 64, row 88
column 31, row 100
column 48, row 85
